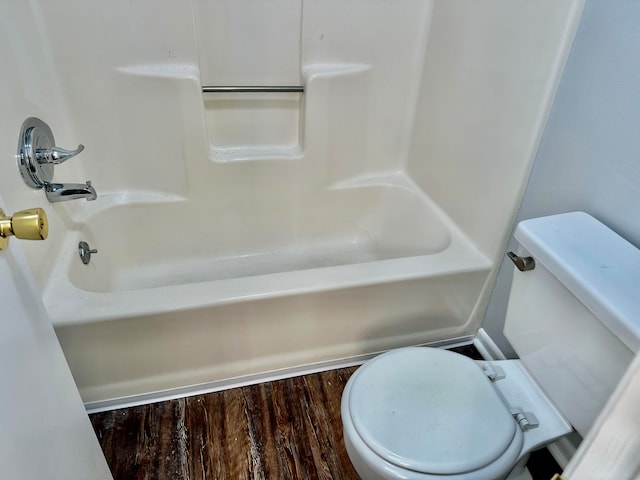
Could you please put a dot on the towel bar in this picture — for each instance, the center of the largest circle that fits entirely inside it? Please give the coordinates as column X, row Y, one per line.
column 256, row 89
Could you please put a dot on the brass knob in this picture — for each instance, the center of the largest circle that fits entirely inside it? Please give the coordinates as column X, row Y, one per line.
column 28, row 224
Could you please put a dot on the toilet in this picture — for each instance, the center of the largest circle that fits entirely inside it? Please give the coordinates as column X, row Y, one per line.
column 574, row 319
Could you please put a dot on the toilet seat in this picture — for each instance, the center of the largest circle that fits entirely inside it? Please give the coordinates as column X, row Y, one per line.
column 431, row 412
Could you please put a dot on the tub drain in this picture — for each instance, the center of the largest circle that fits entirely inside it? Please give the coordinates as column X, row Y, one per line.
column 85, row 251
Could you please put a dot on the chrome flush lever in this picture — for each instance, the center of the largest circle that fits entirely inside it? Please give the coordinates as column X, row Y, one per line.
column 524, row 264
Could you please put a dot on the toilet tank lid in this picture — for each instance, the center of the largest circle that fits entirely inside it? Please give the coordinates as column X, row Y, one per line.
column 596, row 264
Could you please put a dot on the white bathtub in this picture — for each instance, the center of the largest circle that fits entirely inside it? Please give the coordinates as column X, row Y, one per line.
column 185, row 296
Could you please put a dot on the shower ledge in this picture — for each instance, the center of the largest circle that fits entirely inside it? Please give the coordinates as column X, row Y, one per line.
column 256, row 153
column 163, row 70
column 393, row 178
column 81, row 212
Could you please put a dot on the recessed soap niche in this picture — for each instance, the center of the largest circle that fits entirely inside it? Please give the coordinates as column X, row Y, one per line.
column 253, row 126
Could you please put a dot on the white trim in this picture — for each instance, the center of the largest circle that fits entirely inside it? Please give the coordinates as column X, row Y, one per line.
column 562, row 450
column 216, row 386
column 487, row 347
column 219, row 385
column 610, row 449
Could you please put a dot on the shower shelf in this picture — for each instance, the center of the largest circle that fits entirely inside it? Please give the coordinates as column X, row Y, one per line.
column 253, row 123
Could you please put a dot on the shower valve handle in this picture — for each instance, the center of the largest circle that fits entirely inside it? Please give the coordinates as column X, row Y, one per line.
column 37, row 156
column 57, row 155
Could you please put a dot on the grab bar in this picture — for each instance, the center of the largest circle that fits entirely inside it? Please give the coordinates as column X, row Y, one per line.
column 256, row 89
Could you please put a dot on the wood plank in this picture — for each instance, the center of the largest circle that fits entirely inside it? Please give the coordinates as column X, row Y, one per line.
column 139, row 442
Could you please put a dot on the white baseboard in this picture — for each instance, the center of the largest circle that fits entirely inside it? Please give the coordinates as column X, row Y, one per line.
column 564, row 449
column 216, row 386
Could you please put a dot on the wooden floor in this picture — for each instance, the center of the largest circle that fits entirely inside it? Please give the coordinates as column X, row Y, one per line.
column 286, row 429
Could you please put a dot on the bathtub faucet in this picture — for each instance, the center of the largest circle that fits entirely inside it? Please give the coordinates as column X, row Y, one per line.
column 59, row 192
column 37, row 155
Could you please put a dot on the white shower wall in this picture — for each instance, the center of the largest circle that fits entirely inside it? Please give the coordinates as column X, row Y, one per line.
column 142, row 118
column 451, row 93
column 490, row 75
column 435, row 106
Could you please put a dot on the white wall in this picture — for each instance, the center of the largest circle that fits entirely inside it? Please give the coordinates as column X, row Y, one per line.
column 589, row 157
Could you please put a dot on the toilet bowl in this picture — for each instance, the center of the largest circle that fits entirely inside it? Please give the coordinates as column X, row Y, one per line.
column 421, row 413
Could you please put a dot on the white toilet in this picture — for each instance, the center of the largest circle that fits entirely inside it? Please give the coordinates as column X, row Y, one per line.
column 574, row 320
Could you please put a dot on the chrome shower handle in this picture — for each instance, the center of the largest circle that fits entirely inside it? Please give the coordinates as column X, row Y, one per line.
column 57, row 155
column 37, row 155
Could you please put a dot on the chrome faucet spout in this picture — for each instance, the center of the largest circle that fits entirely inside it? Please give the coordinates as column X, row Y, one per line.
column 59, row 192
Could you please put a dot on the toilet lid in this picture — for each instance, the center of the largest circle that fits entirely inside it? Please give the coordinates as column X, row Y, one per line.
column 430, row 410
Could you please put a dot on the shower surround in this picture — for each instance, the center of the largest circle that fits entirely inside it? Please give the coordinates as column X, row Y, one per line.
column 245, row 236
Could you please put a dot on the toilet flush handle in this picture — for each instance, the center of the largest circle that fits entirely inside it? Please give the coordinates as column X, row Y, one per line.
column 524, row 264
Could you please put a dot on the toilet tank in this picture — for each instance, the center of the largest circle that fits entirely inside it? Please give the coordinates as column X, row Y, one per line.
column 574, row 320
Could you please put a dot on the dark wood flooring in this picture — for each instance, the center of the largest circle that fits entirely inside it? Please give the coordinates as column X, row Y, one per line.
column 286, row 429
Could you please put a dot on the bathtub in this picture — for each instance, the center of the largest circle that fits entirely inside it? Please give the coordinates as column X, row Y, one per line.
column 184, row 296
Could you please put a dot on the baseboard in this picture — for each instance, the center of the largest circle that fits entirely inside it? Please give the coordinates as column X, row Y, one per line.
column 216, row 386
column 564, row 448
column 487, row 347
